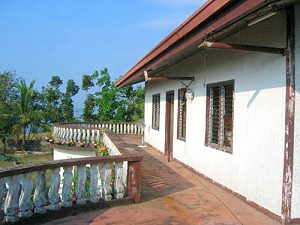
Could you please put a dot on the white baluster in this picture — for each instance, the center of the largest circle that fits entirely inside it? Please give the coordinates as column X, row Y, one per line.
column 39, row 197
column 95, row 187
column 105, row 178
column 62, row 130
column 119, row 188
column 128, row 128
column 117, row 131
column 98, row 135
column 67, row 187
column 11, row 205
column 80, row 188
column 84, row 135
column 79, row 135
column 88, row 135
column 25, row 202
column 121, row 128
column 61, row 133
column 53, row 194
column 65, row 134
column 58, row 133
column 93, row 135
column 131, row 129
column 74, row 138
column 71, row 135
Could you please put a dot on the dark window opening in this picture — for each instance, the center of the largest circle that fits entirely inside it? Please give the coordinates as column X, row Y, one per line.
column 155, row 111
column 181, row 121
column 219, row 126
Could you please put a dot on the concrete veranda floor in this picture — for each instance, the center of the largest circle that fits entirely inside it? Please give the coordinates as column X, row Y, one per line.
column 171, row 194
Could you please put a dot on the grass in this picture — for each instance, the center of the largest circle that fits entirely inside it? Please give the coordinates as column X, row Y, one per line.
column 26, row 159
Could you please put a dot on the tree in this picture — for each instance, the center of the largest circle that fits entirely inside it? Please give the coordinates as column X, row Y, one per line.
column 55, row 82
column 8, row 96
column 67, row 107
column 106, row 98
column 89, row 108
column 131, row 104
column 50, row 100
column 28, row 114
column 87, row 82
column 110, row 103
column 72, row 89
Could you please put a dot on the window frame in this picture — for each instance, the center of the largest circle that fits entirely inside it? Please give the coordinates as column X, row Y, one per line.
column 156, row 111
column 183, row 127
column 207, row 129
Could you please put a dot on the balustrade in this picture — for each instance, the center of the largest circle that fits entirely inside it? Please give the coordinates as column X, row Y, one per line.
column 87, row 132
column 17, row 186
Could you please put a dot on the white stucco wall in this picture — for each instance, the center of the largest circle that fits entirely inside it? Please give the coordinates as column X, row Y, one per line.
column 296, row 175
column 59, row 154
column 254, row 170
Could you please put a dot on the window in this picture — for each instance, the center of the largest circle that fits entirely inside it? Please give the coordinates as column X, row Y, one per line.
column 181, row 121
column 155, row 111
column 219, row 124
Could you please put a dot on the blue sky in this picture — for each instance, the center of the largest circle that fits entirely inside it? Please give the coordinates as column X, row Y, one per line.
column 70, row 38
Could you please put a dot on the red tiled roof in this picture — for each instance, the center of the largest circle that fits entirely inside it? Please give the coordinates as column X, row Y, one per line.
column 163, row 51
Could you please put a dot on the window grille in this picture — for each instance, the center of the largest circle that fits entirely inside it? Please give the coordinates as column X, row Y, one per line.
column 155, row 111
column 181, row 121
column 220, row 116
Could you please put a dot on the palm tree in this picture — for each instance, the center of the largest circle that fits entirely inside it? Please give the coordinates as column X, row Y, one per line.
column 25, row 107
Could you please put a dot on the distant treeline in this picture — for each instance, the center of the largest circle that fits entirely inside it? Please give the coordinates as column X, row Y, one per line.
column 25, row 110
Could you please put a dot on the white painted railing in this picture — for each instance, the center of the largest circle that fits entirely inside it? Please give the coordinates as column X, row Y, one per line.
column 17, row 186
column 90, row 132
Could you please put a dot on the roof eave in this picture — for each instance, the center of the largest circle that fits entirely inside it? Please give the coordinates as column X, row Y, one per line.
column 170, row 47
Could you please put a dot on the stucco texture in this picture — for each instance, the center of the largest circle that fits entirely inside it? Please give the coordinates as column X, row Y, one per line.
column 255, row 168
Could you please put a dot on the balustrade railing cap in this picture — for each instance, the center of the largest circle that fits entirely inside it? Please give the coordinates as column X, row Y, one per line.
column 69, row 162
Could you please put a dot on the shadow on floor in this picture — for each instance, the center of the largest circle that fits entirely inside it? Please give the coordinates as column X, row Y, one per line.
column 158, row 180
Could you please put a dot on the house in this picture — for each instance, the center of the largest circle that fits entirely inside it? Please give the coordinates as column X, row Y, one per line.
column 223, row 98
